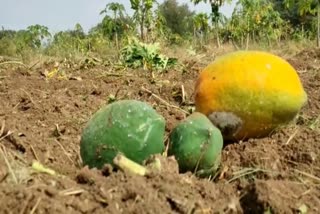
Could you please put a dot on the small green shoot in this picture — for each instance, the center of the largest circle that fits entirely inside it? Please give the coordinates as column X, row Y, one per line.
column 38, row 167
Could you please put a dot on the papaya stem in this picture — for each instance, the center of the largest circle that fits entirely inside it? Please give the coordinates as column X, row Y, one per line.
column 126, row 164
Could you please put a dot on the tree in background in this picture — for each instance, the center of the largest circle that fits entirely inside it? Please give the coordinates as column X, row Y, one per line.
column 69, row 42
column 215, row 15
column 201, row 27
column 7, row 33
column 178, row 17
column 34, row 35
column 112, row 24
column 17, row 42
column 255, row 20
column 215, row 6
column 252, row 21
column 143, row 14
column 305, row 9
column 7, row 42
column 160, row 24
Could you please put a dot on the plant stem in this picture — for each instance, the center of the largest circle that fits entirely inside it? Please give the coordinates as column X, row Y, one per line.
column 126, row 164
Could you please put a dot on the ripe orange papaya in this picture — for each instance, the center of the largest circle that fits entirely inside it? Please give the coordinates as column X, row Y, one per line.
column 247, row 94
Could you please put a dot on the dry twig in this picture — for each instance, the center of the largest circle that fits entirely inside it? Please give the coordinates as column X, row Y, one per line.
column 163, row 101
column 14, row 177
column 36, row 206
column 292, row 136
column 8, row 133
column 27, row 201
column 64, row 151
column 34, row 153
column 2, row 127
column 313, row 177
column 183, row 94
column 34, row 64
column 71, row 192
column 29, row 95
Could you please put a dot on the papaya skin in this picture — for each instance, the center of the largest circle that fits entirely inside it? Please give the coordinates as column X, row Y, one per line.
column 128, row 127
column 261, row 89
column 196, row 144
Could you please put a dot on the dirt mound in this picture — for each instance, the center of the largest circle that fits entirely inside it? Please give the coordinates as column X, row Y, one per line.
column 308, row 59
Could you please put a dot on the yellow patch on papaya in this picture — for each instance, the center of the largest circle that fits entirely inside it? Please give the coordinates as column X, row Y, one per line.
column 257, row 88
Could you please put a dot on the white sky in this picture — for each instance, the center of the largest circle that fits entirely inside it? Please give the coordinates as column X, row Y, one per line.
column 62, row 15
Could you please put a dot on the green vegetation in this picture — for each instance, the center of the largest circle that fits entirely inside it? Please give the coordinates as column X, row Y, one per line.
column 262, row 23
column 137, row 54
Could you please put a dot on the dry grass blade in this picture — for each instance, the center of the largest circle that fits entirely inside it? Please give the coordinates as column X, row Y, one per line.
column 292, row 136
column 36, row 206
column 71, row 192
column 313, row 177
column 116, row 74
column 34, row 64
column 163, row 101
column 14, row 177
column 297, row 163
column 245, row 172
column 29, row 95
column 34, row 153
column 6, row 135
column 167, row 143
column 64, row 151
column 2, row 127
column 13, row 62
column 183, row 94
column 27, row 201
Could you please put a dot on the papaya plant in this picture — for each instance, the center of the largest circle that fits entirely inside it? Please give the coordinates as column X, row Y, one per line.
column 118, row 11
column 255, row 20
column 307, row 7
column 69, row 43
column 30, row 40
column 37, row 33
column 178, row 17
column 137, row 54
column 159, row 25
column 201, row 27
column 142, row 14
column 215, row 15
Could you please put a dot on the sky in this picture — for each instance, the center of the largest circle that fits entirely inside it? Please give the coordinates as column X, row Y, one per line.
column 60, row 15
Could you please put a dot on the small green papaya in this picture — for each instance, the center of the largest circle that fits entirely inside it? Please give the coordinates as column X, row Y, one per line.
column 196, row 144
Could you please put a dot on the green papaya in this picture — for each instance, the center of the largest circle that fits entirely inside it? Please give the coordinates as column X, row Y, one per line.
column 196, row 144
column 130, row 127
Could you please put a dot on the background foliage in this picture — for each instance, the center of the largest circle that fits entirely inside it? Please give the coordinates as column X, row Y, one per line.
column 263, row 22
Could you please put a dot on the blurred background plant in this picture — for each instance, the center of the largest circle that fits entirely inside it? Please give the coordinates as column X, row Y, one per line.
column 170, row 26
